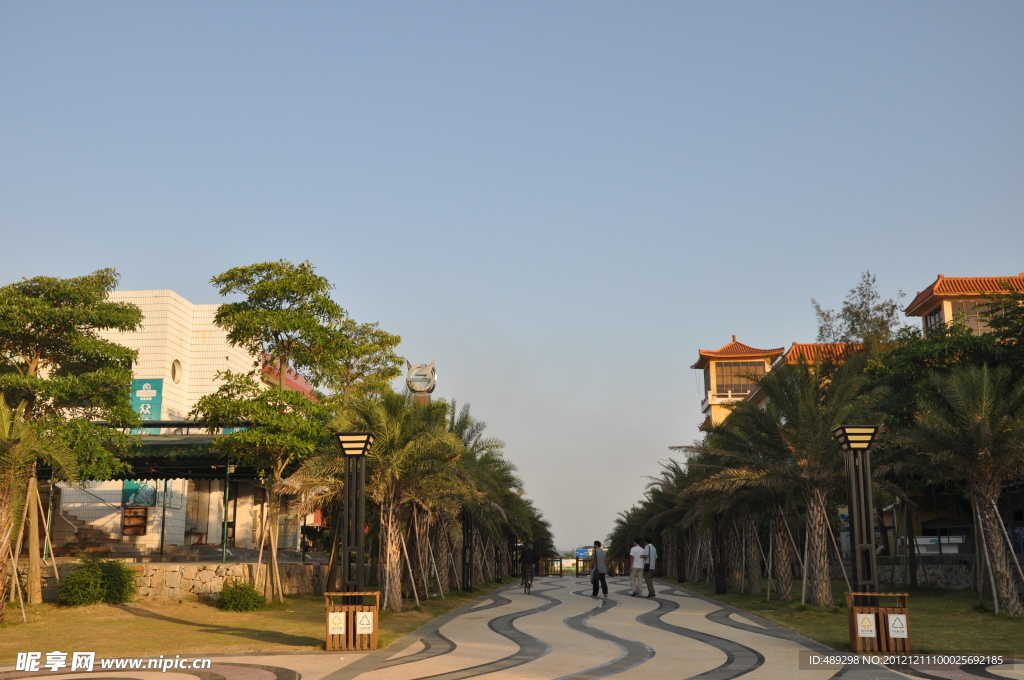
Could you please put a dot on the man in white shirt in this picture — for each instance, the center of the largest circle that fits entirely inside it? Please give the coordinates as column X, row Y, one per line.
column 650, row 559
column 636, row 567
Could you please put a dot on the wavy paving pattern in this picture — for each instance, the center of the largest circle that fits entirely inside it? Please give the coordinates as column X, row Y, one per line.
column 633, row 653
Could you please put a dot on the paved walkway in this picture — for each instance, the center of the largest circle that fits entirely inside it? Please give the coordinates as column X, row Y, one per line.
column 560, row 632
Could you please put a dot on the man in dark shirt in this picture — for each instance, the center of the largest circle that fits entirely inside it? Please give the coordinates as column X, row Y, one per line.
column 530, row 559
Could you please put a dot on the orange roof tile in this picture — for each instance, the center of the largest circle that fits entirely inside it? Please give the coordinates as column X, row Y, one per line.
column 734, row 350
column 960, row 286
column 814, row 352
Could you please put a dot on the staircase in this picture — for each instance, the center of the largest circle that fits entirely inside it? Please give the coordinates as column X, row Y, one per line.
column 87, row 539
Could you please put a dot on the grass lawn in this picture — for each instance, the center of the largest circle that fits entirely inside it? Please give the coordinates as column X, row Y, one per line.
column 941, row 621
column 193, row 628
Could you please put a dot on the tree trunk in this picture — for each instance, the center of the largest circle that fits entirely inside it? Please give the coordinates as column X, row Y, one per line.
column 272, row 590
column 753, row 557
column 782, row 554
column 985, row 498
column 733, row 558
column 35, row 563
column 819, row 585
column 392, row 558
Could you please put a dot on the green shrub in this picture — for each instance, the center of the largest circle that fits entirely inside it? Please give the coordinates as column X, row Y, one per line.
column 84, row 585
column 96, row 580
column 240, row 597
column 118, row 581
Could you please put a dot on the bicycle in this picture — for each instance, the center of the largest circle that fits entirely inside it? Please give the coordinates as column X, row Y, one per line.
column 527, row 579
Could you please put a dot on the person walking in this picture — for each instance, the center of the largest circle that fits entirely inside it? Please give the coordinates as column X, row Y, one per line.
column 650, row 560
column 597, row 570
column 636, row 567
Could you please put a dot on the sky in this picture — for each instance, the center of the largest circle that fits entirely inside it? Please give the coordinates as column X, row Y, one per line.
column 559, row 202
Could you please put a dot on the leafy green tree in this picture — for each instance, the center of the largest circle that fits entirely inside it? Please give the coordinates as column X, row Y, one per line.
column 1004, row 315
column 287, row 316
column 904, row 371
column 53, row 360
column 366, row 367
column 280, row 428
column 969, row 428
column 22, row 444
column 864, row 317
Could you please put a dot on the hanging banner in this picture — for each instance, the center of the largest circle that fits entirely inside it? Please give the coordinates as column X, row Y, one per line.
column 138, row 493
column 148, row 401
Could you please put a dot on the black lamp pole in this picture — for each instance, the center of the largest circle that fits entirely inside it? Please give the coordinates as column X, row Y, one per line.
column 856, row 442
column 354, row 445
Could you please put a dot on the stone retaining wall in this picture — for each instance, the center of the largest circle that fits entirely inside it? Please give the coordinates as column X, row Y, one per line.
column 953, row 572
column 181, row 581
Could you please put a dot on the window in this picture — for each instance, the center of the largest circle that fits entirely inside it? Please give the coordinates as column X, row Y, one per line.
column 933, row 319
column 735, row 378
column 135, row 521
column 970, row 314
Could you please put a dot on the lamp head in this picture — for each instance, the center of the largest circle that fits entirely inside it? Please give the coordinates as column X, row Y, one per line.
column 355, row 443
column 856, row 437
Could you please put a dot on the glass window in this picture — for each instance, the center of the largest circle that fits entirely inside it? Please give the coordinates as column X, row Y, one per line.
column 934, row 319
column 736, row 378
column 969, row 314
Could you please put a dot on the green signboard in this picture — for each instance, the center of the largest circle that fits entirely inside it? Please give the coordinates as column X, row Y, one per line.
column 147, row 401
column 138, row 492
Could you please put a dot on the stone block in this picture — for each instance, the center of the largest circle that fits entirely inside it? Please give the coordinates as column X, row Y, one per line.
column 205, row 575
column 190, row 572
column 173, row 579
column 157, row 580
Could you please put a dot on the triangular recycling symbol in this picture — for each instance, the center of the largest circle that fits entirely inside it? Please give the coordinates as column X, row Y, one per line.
column 897, row 623
column 364, row 619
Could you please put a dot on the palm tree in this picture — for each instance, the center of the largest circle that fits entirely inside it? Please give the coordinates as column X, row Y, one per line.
column 22, row 444
column 789, row 446
column 970, row 428
column 413, row 455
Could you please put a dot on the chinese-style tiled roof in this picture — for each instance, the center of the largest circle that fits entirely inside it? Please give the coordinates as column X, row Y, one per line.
column 961, row 286
column 816, row 352
column 292, row 380
column 734, row 350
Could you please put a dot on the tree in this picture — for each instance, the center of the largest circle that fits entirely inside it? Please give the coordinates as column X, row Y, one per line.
column 1004, row 315
column 969, row 427
column 280, row 427
column 289, row 320
column 413, row 454
column 368, row 365
column 864, row 317
column 287, row 317
column 794, row 448
column 53, row 360
column 22, row 444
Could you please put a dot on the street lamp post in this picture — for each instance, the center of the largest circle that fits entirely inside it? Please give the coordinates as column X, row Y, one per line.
column 856, row 441
column 354, row 445
column 228, row 469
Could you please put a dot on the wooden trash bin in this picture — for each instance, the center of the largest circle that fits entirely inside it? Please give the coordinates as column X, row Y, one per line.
column 352, row 627
column 888, row 634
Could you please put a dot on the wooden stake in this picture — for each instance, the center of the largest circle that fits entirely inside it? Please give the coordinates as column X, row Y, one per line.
column 46, row 532
column 412, row 577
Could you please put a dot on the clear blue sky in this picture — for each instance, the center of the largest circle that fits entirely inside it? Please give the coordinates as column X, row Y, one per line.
column 559, row 202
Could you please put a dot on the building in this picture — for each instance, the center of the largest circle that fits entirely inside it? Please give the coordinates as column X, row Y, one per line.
column 730, row 373
column 950, row 298
column 181, row 352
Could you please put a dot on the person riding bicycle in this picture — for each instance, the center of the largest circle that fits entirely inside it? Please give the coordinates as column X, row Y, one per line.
column 530, row 557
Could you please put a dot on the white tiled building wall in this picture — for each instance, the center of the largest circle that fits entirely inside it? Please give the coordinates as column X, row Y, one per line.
column 174, row 329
